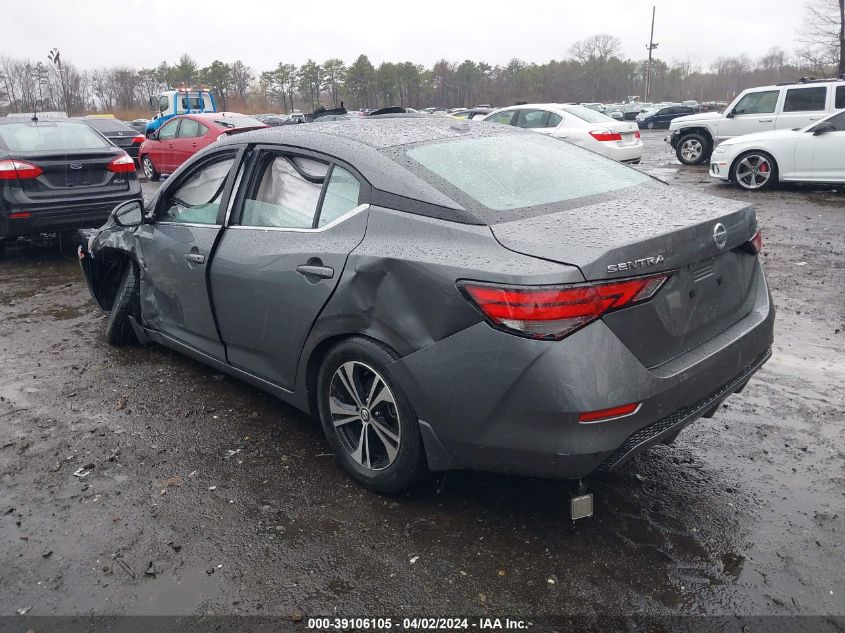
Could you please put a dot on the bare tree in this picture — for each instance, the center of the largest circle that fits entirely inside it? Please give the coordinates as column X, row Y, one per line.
column 594, row 53
column 823, row 34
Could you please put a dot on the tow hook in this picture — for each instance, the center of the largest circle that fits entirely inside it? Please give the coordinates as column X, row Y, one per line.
column 581, row 503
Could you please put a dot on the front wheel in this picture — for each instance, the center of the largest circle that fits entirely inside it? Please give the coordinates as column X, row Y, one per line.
column 650, row 125
column 368, row 421
column 692, row 149
column 126, row 303
column 150, row 171
column 754, row 171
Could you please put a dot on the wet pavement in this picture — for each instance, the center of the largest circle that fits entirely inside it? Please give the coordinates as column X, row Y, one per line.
column 139, row 481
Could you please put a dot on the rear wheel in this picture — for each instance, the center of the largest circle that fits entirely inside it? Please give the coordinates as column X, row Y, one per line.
column 149, row 169
column 119, row 330
column 692, row 149
column 754, row 171
column 368, row 421
column 650, row 125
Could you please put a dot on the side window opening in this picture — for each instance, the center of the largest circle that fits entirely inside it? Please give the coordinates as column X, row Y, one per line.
column 840, row 98
column 341, row 196
column 286, row 193
column 197, row 198
column 805, row 99
column 758, row 103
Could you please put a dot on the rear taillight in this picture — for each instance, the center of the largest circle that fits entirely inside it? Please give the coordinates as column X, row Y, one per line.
column 756, row 242
column 606, row 135
column 18, row 169
column 122, row 164
column 637, row 134
column 553, row 312
column 139, row 139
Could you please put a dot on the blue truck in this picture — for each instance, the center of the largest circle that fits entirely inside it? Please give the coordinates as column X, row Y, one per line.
column 171, row 103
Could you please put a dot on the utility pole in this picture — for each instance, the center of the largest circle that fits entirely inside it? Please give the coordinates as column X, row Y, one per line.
column 56, row 58
column 651, row 46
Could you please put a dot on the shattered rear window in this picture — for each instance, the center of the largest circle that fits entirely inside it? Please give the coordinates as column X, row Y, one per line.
column 522, row 170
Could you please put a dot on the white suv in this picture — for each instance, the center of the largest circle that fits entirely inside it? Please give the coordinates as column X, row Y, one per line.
column 785, row 106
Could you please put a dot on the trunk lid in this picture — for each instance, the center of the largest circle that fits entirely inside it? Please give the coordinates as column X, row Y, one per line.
column 68, row 174
column 647, row 229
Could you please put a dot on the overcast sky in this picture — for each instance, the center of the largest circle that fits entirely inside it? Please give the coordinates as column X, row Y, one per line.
column 96, row 33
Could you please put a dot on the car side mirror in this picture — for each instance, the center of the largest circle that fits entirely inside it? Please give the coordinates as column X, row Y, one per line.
column 823, row 128
column 153, row 135
column 129, row 214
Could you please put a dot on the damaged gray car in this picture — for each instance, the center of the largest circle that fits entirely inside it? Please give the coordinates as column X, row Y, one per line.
column 445, row 295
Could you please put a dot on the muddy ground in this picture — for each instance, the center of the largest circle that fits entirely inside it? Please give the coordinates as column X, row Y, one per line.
column 139, row 481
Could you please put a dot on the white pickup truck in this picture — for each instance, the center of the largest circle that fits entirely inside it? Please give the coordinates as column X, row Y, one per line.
column 784, row 106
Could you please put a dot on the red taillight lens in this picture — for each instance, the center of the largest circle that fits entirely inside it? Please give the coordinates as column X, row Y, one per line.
column 122, row 164
column 637, row 134
column 553, row 312
column 20, row 215
column 139, row 139
column 756, row 242
column 606, row 135
column 610, row 414
column 18, row 169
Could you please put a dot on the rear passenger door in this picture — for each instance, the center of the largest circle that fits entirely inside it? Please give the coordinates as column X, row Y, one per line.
column 294, row 222
column 802, row 106
column 538, row 120
column 186, row 142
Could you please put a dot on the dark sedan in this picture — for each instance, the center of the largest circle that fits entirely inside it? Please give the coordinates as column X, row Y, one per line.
column 445, row 294
column 122, row 135
column 59, row 175
column 661, row 117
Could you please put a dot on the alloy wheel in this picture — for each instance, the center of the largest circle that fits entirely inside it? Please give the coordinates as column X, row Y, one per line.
column 753, row 171
column 691, row 149
column 364, row 415
column 148, row 168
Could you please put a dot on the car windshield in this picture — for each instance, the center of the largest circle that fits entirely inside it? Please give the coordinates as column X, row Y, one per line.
column 31, row 136
column 586, row 114
column 515, row 171
column 238, row 121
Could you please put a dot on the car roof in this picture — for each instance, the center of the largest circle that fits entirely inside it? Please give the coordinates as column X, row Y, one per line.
column 5, row 120
column 367, row 144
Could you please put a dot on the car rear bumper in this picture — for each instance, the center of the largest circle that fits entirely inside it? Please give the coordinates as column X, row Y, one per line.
column 622, row 153
column 493, row 401
column 60, row 215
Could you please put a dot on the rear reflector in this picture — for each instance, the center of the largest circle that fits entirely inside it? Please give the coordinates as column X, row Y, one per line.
column 18, row 169
column 606, row 135
column 553, row 312
column 610, row 414
column 20, row 215
column 122, row 164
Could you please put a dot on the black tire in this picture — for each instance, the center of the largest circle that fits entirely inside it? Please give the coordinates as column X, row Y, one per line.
column 119, row 330
column 384, row 474
column 757, row 160
column 693, row 149
column 149, row 169
column 2, row 247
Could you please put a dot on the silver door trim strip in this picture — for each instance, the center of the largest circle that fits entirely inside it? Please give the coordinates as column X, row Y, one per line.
column 191, row 224
column 320, row 229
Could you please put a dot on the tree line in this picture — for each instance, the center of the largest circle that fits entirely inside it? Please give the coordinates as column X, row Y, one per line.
column 593, row 70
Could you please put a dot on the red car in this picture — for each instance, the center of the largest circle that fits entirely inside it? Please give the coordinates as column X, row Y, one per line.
column 181, row 137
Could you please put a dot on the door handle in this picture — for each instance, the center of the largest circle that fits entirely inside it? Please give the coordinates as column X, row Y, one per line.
column 816, row 118
column 764, row 120
column 194, row 258
column 323, row 272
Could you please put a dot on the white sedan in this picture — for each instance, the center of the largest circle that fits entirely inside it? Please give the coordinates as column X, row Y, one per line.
column 619, row 140
column 753, row 162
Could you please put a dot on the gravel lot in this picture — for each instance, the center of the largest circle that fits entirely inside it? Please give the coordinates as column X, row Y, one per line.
column 743, row 515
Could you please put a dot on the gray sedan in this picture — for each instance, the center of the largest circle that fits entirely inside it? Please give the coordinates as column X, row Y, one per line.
column 445, row 294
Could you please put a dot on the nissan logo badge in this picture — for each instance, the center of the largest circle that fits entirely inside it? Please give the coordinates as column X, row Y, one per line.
column 720, row 235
